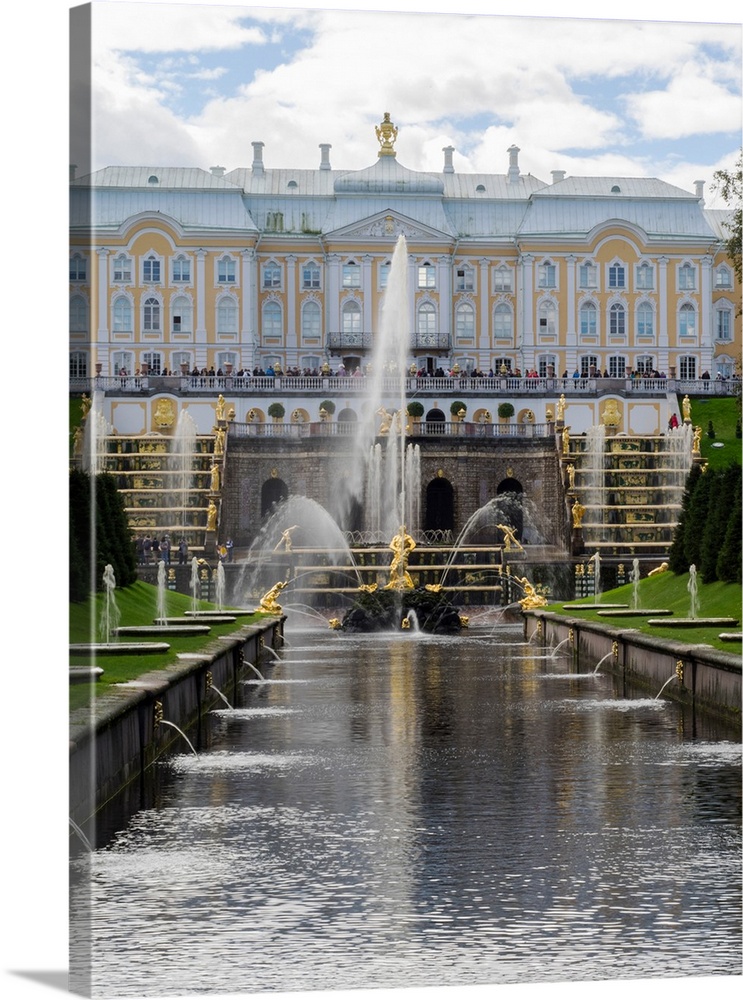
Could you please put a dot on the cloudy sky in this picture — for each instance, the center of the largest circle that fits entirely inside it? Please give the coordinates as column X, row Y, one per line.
column 195, row 83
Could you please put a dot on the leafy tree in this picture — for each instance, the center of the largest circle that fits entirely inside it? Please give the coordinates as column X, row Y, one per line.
column 722, row 496
column 99, row 534
column 730, row 185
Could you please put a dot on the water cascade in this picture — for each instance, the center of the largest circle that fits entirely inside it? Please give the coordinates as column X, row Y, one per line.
column 596, row 560
column 182, row 460
column 164, row 722
column 194, row 584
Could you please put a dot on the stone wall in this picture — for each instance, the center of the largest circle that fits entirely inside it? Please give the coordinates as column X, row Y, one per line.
column 322, row 470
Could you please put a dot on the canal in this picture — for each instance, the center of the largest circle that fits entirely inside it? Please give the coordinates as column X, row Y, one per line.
column 401, row 810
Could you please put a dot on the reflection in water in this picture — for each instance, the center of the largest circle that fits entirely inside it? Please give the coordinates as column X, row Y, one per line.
column 426, row 813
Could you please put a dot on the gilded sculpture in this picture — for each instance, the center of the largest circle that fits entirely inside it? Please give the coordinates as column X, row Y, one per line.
column 509, row 537
column 578, row 510
column 386, row 135
column 402, row 545
column 268, row 603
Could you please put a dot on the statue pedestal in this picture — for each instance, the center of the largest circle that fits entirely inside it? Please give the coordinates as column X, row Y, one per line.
column 577, row 545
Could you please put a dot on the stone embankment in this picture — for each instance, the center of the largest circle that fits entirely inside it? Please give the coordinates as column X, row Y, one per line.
column 114, row 742
column 704, row 678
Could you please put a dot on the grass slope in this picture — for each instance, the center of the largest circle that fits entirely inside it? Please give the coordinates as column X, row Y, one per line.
column 138, row 606
column 723, row 411
column 669, row 590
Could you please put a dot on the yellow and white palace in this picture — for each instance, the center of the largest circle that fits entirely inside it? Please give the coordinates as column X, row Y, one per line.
column 176, row 270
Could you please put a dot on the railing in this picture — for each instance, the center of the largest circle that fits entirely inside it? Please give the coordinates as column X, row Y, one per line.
column 414, row 386
column 423, row 429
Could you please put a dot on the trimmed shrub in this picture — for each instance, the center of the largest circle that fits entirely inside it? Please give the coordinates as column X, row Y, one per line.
column 276, row 410
column 328, row 405
column 416, row 408
column 456, row 406
column 505, row 410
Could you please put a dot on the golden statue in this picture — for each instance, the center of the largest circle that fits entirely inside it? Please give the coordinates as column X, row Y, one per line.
column 268, row 604
column 386, row 420
column 686, row 409
column 368, row 588
column 220, row 407
column 433, row 588
column 509, row 537
column 561, row 407
column 578, row 510
column 531, row 598
column 214, row 485
column 286, row 539
column 464, row 621
column 571, row 475
column 405, row 623
column 402, row 545
column 335, row 623
column 386, row 135
column 211, row 517
column 612, row 416
column 231, row 413
column 85, row 402
column 566, row 441
column 219, row 441
column 659, row 569
column 696, row 446
column 164, row 414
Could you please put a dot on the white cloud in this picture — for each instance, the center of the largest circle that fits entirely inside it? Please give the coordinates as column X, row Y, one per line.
column 693, row 103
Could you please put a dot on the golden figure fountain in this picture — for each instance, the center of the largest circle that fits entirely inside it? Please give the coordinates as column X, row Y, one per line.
column 401, row 545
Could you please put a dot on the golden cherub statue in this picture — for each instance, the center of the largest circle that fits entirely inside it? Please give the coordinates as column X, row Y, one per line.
column 531, row 598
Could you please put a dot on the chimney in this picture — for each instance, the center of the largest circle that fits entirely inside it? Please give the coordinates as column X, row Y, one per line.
column 699, row 187
column 217, row 171
column 513, row 164
column 325, row 148
column 73, row 171
column 448, row 165
column 258, row 157
column 557, row 176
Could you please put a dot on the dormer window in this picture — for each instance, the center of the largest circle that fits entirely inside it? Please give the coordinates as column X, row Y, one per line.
column 153, row 180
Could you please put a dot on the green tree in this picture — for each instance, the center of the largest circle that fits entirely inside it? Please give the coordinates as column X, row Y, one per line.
column 697, row 520
column 730, row 557
column 722, row 497
column 99, row 534
column 677, row 560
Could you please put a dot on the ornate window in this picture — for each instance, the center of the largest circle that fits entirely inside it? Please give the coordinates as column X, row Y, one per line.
column 181, row 269
column 122, row 269
column 723, row 277
column 503, row 322
column 384, row 274
column 687, row 320
column 588, row 320
column 311, row 276
column 645, row 320
column 588, row 275
column 272, row 323
column 151, row 270
column 724, row 323
column 644, row 276
column 226, row 271
column 78, row 314
column 547, row 318
column 426, row 275
column 547, row 275
column 122, row 315
column 351, row 318
column 687, row 367
column 351, row 275
column 271, row 275
column 182, row 314
column 687, row 278
column 78, row 268
column 617, row 320
column 151, row 315
column 617, row 276
column 465, row 321
column 426, row 319
column 311, row 320
column 465, row 278
column 503, row 279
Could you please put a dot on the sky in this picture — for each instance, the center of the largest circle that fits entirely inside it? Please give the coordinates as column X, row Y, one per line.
column 227, row 84
column 194, row 84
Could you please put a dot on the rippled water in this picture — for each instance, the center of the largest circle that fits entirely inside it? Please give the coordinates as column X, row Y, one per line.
column 392, row 811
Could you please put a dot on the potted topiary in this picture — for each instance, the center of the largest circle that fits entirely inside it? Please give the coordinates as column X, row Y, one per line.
column 505, row 411
column 276, row 411
column 458, row 409
column 416, row 409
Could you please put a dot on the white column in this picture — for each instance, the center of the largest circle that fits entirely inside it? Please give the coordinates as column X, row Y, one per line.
column 290, row 340
column 444, row 281
column 200, row 332
column 333, row 297
column 525, row 315
column 248, row 315
column 103, row 329
column 367, row 322
column 483, row 333
column 571, row 332
column 664, row 360
column 706, row 325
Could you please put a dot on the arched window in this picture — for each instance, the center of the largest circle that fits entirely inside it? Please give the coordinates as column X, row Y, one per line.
column 465, row 278
column 122, row 315
column 617, row 320
column 182, row 313
column 272, row 325
column 547, row 318
column 687, row 278
column 351, row 319
column 426, row 275
column 723, row 277
column 503, row 322
column 644, row 323
column 78, row 314
column 311, row 316
column 78, row 267
column 151, row 273
column 465, row 321
column 502, row 279
column 226, row 271
column 151, row 315
column 273, row 492
column 439, row 505
column 687, row 320
column 181, row 269
column 643, row 276
column 426, row 323
column 588, row 320
column 227, row 316
column 122, row 269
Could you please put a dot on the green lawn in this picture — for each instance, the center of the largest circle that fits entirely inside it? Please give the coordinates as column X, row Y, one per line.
column 138, row 606
column 669, row 590
column 723, row 411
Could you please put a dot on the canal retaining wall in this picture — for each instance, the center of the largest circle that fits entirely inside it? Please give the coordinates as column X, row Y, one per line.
column 705, row 678
column 123, row 733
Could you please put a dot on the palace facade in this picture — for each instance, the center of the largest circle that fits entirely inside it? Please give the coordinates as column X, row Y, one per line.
column 257, row 269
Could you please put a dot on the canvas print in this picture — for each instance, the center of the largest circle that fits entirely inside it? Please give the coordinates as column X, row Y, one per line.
column 405, row 500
